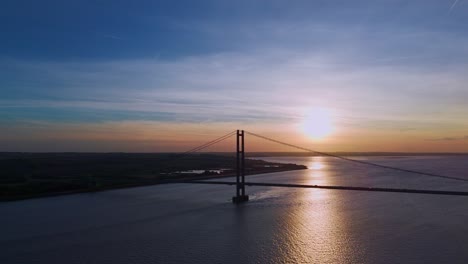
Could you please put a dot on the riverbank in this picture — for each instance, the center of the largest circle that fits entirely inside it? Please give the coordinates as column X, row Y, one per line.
column 102, row 189
column 27, row 175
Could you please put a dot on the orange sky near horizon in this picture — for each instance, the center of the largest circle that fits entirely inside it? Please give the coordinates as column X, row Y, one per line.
column 137, row 136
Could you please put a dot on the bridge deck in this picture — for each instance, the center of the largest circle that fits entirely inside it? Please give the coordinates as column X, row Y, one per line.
column 349, row 188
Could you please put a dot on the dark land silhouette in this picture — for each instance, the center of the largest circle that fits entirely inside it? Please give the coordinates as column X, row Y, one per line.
column 28, row 175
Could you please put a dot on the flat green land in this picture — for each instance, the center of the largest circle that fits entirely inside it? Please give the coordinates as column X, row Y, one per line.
column 28, row 175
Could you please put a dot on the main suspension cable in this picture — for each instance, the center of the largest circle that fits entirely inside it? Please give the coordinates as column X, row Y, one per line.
column 196, row 149
column 357, row 161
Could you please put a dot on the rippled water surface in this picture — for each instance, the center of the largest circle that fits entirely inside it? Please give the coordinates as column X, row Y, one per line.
column 184, row 223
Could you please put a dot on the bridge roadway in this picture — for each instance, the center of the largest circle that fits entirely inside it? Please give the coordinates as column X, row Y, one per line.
column 349, row 188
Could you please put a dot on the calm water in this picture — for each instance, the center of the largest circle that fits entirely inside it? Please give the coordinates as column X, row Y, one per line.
column 183, row 223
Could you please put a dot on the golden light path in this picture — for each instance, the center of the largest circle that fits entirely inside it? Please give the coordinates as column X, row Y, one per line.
column 317, row 230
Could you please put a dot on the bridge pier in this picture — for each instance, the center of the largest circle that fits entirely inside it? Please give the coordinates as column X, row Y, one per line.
column 240, row 170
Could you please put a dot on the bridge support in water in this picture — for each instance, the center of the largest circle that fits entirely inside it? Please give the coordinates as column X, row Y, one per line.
column 240, row 170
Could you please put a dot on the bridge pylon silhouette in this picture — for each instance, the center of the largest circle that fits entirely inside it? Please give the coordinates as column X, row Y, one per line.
column 240, row 169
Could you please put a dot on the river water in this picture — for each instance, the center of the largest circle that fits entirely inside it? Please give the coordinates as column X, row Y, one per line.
column 188, row 223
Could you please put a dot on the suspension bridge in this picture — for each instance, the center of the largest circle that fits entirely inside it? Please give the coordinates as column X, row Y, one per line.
column 240, row 195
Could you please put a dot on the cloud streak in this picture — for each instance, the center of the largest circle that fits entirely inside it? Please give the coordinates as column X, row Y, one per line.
column 246, row 87
column 450, row 139
column 453, row 5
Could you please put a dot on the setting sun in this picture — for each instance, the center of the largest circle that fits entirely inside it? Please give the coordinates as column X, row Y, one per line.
column 317, row 124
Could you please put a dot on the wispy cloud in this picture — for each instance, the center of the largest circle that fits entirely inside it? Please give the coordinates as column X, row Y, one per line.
column 453, row 5
column 249, row 86
column 449, row 138
column 111, row 36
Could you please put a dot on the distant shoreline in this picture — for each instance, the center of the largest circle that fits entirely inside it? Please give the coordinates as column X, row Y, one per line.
column 351, row 154
column 264, row 154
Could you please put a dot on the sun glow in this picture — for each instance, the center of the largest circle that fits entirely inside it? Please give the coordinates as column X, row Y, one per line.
column 317, row 124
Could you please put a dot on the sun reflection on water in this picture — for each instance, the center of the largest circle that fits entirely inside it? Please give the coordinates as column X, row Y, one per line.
column 318, row 229
column 317, row 163
column 317, row 171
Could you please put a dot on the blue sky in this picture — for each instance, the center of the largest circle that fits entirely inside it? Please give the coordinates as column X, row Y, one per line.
column 99, row 30
column 382, row 68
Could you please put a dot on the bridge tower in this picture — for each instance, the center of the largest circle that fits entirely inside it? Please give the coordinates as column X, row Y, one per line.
column 240, row 169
